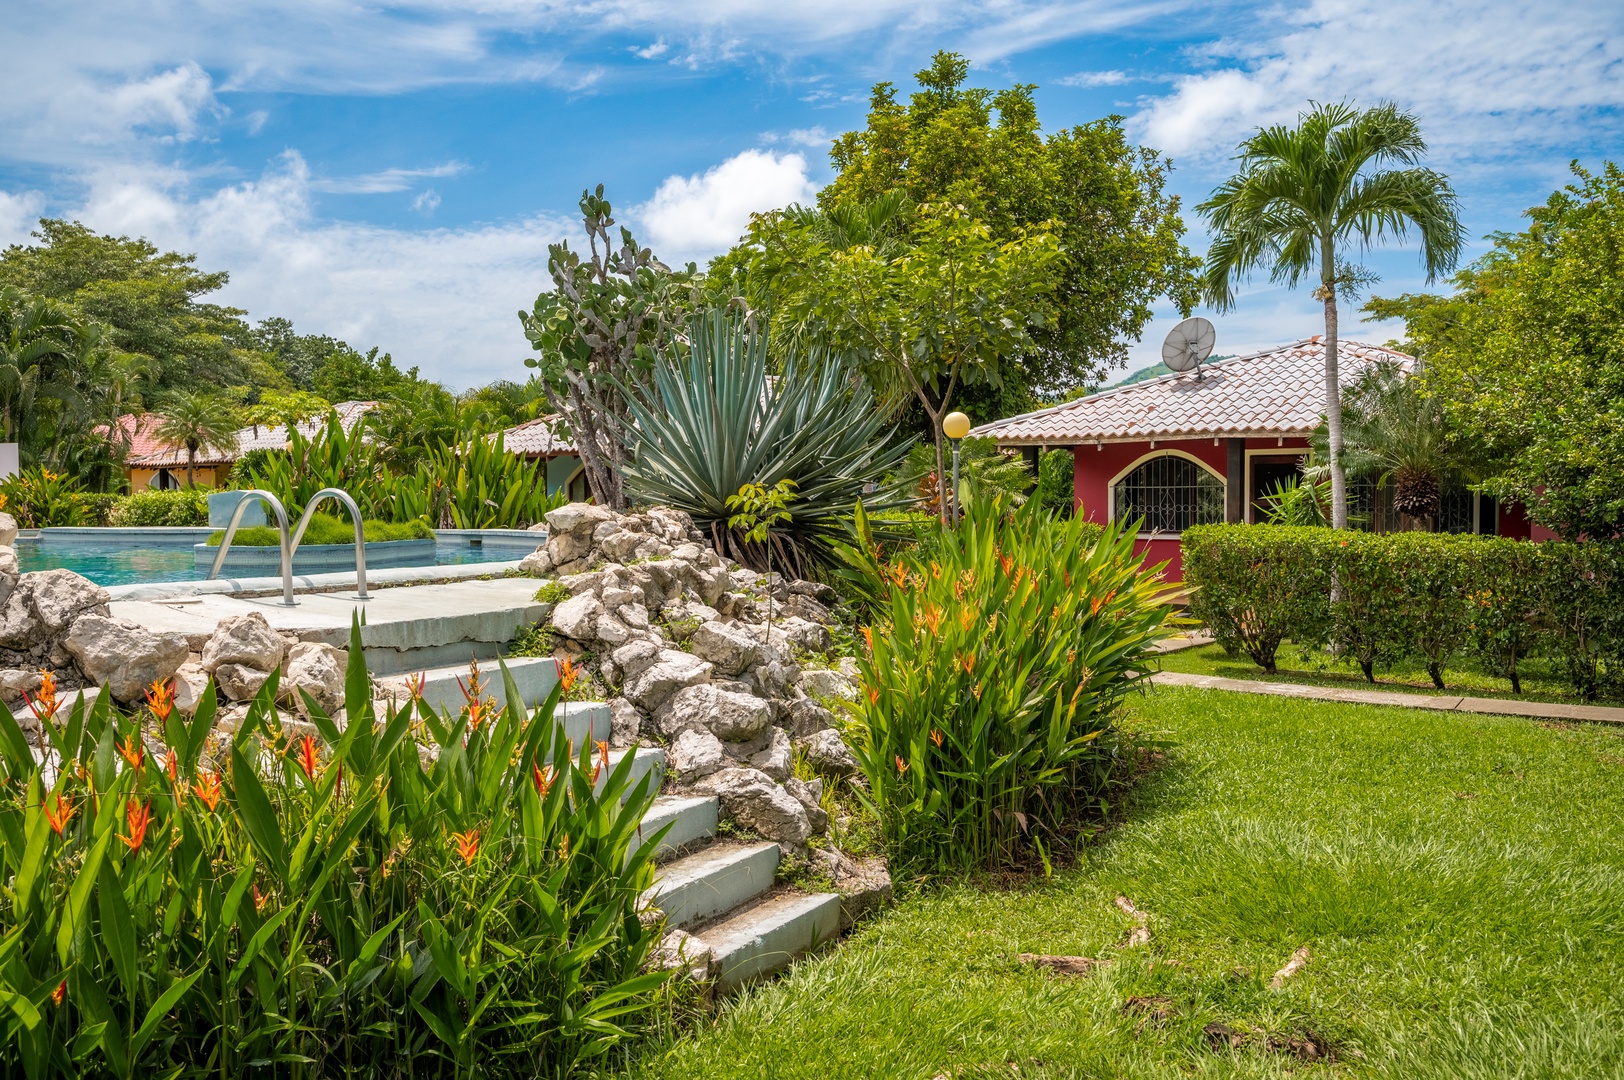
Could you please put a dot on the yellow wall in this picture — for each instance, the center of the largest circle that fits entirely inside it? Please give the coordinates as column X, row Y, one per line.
column 141, row 478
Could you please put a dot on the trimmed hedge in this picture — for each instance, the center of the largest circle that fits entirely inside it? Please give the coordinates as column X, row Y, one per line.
column 1380, row 597
column 174, row 508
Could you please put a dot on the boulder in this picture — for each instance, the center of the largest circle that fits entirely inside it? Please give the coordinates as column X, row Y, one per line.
column 611, row 631
column 827, row 685
column 827, row 752
column 537, row 564
column 318, row 670
column 239, row 682
column 124, row 655
column 190, row 682
column 15, row 682
column 61, row 596
column 727, row 645
column 804, row 717
column 777, row 758
column 569, row 530
column 809, row 793
column 625, row 723
column 805, row 607
column 615, row 597
column 680, row 951
column 695, row 754
column 808, row 636
column 864, row 885
column 634, row 657
column 9, row 572
column 8, row 530
column 849, row 667
column 671, row 671
column 817, row 590
column 751, row 798
column 730, row 717
column 577, row 617
column 244, row 641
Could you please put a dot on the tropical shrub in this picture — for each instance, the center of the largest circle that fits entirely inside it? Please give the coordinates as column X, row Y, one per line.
column 412, row 894
column 992, row 673
column 332, row 457
column 328, row 529
column 1434, row 574
column 1504, row 597
column 984, row 472
column 1582, row 601
column 718, row 421
column 41, row 499
column 1057, row 481
column 1256, row 586
column 146, row 509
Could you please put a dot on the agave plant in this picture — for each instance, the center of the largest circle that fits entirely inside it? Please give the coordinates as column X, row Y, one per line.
column 718, row 421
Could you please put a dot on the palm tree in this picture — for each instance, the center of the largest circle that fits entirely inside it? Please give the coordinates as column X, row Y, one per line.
column 1392, row 430
column 37, row 336
column 1301, row 193
column 198, row 418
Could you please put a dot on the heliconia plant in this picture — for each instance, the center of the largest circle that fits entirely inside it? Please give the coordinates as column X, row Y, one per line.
column 409, row 894
column 998, row 654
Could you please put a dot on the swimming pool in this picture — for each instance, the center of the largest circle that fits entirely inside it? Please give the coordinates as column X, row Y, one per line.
column 139, row 556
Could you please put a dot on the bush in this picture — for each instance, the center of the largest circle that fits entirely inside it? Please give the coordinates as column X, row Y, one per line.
column 147, row 509
column 413, row 894
column 328, row 529
column 1057, row 481
column 1000, row 653
column 1254, row 588
column 1582, row 601
column 1504, row 596
column 41, row 499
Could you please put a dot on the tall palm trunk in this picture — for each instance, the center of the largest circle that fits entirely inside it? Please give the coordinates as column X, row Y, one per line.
column 191, row 465
column 1333, row 391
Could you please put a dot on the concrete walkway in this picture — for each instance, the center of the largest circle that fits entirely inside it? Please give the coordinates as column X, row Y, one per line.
column 1540, row 710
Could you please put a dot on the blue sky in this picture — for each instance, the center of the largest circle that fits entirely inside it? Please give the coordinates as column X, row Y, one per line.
column 392, row 173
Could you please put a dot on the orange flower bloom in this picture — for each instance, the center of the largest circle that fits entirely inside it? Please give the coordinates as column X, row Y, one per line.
column 603, row 760
column 902, row 766
column 60, row 814
column 161, row 698
column 899, row 574
column 1005, row 561
column 568, row 674
column 967, row 661
column 873, row 695
column 309, row 757
column 467, row 845
column 207, row 788
column 43, row 704
column 60, row 994
column 415, row 684
column 935, row 736
column 933, row 618
column 132, row 751
column 172, row 767
column 544, row 775
column 139, row 817
column 259, row 898
column 1094, row 605
column 868, row 636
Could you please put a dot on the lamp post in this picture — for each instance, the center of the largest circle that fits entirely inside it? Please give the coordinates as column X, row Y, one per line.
column 955, row 425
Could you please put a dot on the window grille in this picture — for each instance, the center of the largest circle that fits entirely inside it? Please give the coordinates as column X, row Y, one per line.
column 1455, row 508
column 1170, row 494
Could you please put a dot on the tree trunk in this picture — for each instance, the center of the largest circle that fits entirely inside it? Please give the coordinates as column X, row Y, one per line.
column 1333, row 401
column 191, row 465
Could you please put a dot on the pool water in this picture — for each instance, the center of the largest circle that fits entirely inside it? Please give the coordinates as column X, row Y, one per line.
column 107, row 564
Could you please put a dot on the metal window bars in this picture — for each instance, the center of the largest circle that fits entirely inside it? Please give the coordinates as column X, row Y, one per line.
column 1170, row 494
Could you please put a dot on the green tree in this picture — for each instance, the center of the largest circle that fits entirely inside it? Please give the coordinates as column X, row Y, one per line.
column 939, row 314
column 37, row 337
column 347, row 375
column 1305, row 193
column 195, row 419
column 300, row 356
column 596, row 333
column 1527, row 359
column 1101, row 196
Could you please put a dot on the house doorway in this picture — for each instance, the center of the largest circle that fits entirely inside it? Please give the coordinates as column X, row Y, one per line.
column 1268, row 474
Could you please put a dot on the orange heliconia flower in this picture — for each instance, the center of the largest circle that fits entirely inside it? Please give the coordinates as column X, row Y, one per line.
column 603, row 760
column 132, row 751
column 59, row 814
column 139, row 817
column 1006, row 561
column 43, row 704
column 873, row 695
column 935, row 736
column 568, row 674
column 172, row 767
column 967, row 661
column 933, row 618
column 207, row 788
column 868, row 636
column 259, row 898
column 161, row 698
column 902, row 766
column 60, row 994
column 544, row 775
column 309, row 758
column 415, row 684
column 899, row 574
column 467, row 844
column 473, row 691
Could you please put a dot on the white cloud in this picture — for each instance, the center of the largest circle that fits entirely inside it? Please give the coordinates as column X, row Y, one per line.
column 440, row 298
column 652, row 50
column 19, row 212
column 1488, row 77
column 816, row 137
column 1096, row 78
column 696, row 217
column 386, row 181
column 427, row 201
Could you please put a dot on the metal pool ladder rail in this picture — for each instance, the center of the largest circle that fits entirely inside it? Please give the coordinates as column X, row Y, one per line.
column 360, row 536
column 282, row 527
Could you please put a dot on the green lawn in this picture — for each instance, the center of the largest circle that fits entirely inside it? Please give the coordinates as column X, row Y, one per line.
column 1458, row 879
column 1541, row 681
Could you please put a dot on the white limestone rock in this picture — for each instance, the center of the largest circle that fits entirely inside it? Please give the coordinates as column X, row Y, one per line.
column 570, row 528
column 190, row 682
column 730, row 717
column 611, row 631
column 695, row 754
column 635, row 657
column 539, row 563
column 672, row 670
column 729, row 646
column 826, row 684
column 239, row 682
column 15, row 682
column 8, row 530
column 809, row 793
column 777, row 758
column 317, row 670
column 680, row 951
column 803, row 717
column 577, row 617
column 625, row 724
column 124, row 655
column 754, row 800
column 244, row 641
column 827, row 752
column 9, row 572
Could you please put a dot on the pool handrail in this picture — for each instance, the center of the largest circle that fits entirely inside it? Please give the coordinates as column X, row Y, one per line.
column 282, row 528
column 360, row 537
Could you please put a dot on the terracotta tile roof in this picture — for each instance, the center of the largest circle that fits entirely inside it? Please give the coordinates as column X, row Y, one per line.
column 264, row 437
column 137, row 434
column 1278, row 392
column 537, row 438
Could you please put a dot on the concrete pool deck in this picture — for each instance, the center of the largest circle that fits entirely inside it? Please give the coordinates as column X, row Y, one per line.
column 405, row 628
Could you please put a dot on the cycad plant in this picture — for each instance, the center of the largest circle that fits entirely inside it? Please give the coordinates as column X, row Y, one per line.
column 1391, row 430
column 998, row 656
column 718, row 421
column 410, row 894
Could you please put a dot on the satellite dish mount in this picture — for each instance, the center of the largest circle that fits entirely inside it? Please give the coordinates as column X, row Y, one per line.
column 1187, row 344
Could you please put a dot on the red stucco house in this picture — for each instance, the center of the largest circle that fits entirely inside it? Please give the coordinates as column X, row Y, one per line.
column 1207, row 446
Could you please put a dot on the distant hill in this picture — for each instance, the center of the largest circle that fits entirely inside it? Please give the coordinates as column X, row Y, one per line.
column 1154, row 371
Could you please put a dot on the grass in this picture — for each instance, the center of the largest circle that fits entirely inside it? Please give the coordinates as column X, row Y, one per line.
column 1458, row 879
column 1541, row 679
column 327, row 529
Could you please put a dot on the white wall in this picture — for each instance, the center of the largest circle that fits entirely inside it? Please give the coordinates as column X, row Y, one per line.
column 8, row 460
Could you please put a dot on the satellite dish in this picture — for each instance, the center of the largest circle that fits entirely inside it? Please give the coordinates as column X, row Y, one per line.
column 1189, row 343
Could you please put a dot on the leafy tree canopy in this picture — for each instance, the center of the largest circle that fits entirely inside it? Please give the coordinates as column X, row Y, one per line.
column 1528, row 359
column 348, row 376
column 986, row 152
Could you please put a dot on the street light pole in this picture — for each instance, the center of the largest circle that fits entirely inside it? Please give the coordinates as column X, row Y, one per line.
column 955, row 425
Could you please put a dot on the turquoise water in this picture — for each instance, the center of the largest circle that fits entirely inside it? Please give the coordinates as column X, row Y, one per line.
column 108, row 564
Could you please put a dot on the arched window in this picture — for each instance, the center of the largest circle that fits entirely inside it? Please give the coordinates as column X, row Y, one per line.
column 1170, row 493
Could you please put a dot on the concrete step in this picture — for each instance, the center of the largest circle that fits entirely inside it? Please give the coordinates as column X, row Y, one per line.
column 711, row 881
column 692, row 818
column 763, row 938
column 649, row 759
column 535, row 677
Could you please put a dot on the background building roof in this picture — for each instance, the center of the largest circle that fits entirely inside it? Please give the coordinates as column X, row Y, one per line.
column 263, row 437
column 1277, row 392
column 537, row 438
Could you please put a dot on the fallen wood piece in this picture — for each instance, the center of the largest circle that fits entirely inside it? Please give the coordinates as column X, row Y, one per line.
column 1294, row 965
column 1140, row 936
column 1065, row 965
column 1127, row 907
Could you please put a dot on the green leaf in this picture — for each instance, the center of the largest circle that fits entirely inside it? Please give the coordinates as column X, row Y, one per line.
column 258, row 818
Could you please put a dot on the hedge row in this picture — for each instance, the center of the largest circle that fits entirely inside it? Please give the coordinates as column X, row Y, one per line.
column 1377, row 598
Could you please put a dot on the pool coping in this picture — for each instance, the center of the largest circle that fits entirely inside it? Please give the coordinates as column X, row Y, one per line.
column 311, row 583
